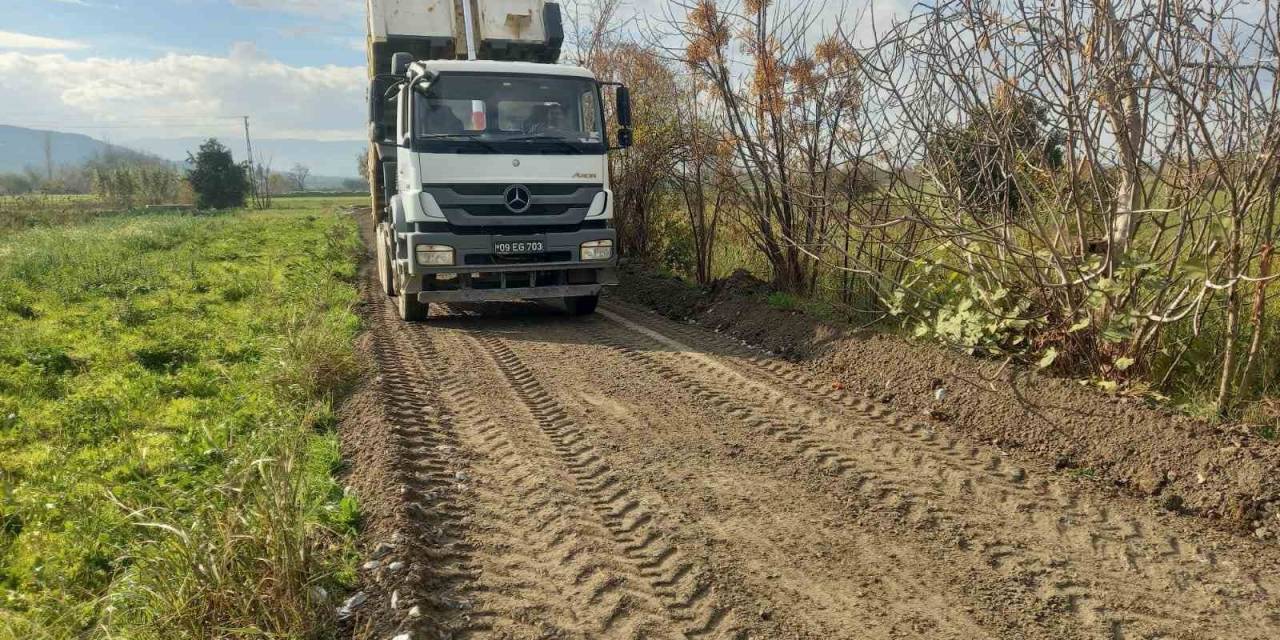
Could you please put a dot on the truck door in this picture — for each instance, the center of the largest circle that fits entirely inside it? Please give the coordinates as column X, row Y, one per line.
column 404, row 138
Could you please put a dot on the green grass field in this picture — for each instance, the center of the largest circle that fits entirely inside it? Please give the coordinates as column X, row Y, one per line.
column 167, row 442
column 34, row 210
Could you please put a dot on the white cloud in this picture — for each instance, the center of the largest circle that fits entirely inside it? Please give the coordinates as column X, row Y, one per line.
column 317, row 8
column 182, row 95
column 12, row 40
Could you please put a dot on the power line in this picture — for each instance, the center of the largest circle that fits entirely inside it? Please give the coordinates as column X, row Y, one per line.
column 158, row 122
column 120, row 125
column 157, row 117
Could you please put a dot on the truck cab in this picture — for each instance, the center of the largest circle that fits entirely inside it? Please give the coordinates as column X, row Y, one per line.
column 492, row 178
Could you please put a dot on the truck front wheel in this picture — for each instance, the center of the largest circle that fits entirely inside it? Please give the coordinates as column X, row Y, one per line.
column 582, row 305
column 410, row 309
column 386, row 277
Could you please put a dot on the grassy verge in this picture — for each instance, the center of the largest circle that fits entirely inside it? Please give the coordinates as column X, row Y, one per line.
column 166, row 440
column 37, row 210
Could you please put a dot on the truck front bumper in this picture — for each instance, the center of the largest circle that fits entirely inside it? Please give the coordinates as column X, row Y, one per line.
column 478, row 274
column 511, row 294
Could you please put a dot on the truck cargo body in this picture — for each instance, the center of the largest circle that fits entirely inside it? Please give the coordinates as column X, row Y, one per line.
column 528, row 30
column 489, row 177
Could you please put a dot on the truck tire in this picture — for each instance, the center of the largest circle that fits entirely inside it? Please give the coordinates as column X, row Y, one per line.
column 386, row 277
column 410, row 309
column 582, row 305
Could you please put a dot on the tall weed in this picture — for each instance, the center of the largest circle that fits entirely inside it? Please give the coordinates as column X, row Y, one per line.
column 151, row 484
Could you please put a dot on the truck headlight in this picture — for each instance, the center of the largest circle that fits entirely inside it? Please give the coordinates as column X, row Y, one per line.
column 434, row 255
column 597, row 250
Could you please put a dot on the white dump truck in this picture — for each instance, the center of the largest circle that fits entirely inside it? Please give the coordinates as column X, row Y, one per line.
column 488, row 161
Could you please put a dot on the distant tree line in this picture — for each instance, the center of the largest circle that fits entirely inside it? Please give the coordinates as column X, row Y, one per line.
column 78, row 179
column 124, row 178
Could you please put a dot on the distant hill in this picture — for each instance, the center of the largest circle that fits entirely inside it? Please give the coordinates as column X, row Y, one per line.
column 335, row 158
column 21, row 148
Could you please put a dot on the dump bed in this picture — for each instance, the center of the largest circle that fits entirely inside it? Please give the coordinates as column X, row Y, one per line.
column 529, row 30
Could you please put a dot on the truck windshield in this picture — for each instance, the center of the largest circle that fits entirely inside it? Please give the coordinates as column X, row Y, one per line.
column 498, row 113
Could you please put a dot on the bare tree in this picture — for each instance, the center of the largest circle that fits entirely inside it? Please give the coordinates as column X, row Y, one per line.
column 639, row 172
column 593, row 26
column 702, row 172
column 1159, row 215
column 786, row 108
column 1088, row 184
column 262, row 192
column 298, row 175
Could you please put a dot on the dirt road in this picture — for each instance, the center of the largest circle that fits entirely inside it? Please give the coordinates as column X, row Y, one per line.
column 623, row 476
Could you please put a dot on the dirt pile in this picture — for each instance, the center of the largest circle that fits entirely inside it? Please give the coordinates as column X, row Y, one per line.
column 1220, row 472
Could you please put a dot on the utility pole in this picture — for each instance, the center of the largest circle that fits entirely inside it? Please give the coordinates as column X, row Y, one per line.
column 253, row 173
column 248, row 143
column 48, row 155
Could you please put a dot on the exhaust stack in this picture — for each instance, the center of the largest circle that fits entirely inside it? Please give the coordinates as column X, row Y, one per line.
column 469, row 25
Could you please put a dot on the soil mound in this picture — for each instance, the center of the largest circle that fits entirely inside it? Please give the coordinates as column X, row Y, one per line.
column 1220, row 472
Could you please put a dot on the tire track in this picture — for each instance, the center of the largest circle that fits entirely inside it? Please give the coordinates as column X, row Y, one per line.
column 972, row 471
column 776, row 530
column 657, row 567
column 564, row 560
column 878, row 484
column 491, row 551
column 430, row 510
column 957, row 476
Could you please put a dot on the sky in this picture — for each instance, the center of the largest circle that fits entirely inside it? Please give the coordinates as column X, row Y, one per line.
column 131, row 69
column 122, row 70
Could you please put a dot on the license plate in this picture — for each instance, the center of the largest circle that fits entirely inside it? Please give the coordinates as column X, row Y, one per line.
column 510, row 247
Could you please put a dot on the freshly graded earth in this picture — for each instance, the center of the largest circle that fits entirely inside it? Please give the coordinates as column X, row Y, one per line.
column 1224, row 473
column 526, row 474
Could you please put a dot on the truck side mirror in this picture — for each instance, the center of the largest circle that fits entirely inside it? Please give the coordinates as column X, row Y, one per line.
column 623, row 102
column 423, row 83
column 400, row 63
column 624, row 138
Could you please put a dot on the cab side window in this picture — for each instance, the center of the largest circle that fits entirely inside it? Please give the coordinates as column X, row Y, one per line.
column 590, row 111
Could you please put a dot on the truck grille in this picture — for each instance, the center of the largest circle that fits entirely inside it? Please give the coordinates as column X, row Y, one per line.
column 484, row 204
column 445, row 227
column 497, row 189
column 501, row 210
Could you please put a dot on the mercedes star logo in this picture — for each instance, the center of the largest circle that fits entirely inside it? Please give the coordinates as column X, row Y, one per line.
column 517, row 198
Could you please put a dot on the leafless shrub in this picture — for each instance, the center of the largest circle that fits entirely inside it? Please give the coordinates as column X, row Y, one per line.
column 786, row 108
column 1088, row 183
column 1160, row 213
column 702, row 171
column 262, row 192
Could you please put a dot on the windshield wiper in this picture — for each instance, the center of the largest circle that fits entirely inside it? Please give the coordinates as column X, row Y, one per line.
column 470, row 137
column 546, row 138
